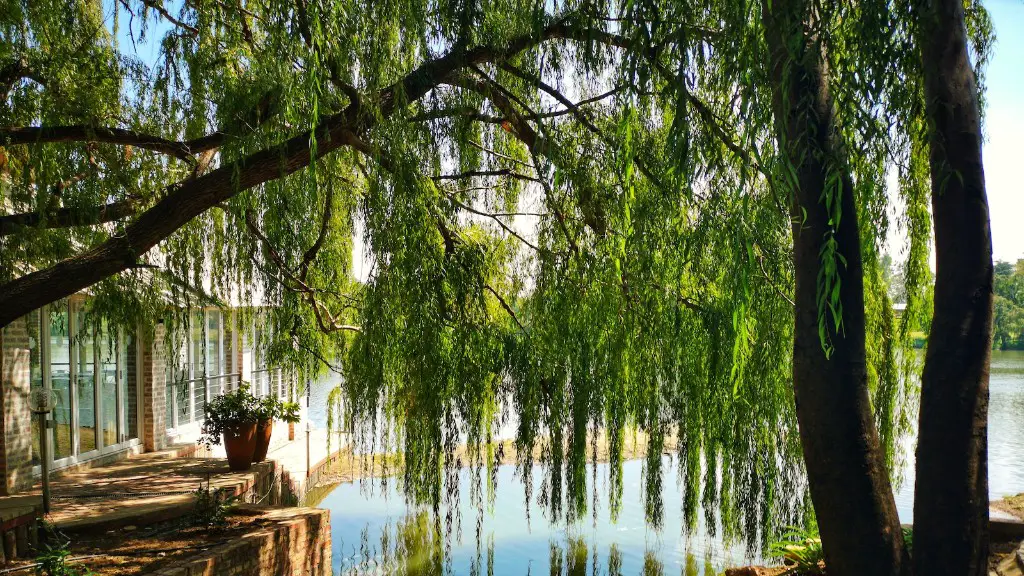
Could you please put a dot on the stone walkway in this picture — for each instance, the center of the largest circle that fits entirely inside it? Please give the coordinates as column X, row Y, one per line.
column 159, row 486
column 142, row 490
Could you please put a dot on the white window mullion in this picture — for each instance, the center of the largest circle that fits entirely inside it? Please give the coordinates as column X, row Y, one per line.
column 97, row 391
column 73, row 344
column 191, row 369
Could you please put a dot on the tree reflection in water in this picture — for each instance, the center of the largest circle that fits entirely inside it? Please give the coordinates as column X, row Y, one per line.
column 413, row 546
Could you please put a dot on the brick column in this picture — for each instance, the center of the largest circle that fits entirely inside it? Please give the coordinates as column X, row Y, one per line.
column 16, row 439
column 154, row 388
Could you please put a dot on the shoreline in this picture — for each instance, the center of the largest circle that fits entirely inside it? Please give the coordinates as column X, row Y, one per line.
column 350, row 467
column 1012, row 505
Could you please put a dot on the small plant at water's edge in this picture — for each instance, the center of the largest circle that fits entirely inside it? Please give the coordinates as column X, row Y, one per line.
column 800, row 550
column 209, row 510
column 53, row 559
column 908, row 540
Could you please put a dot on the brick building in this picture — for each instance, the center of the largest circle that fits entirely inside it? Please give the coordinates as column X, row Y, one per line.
column 118, row 391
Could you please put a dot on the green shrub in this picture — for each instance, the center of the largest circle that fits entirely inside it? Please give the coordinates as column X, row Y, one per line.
column 53, row 559
column 801, row 550
column 272, row 408
column 209, row 510
column 227, row 411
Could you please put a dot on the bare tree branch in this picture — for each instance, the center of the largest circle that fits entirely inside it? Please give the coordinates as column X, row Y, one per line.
column 495, row 217
column 535, row 144
column 484, row 173
column 505, row 305
column 325, row 222
column 68, row 217
column 81, row 133
column 325, row 320
column 158, row 6
column 464, row 111
column 581, row 117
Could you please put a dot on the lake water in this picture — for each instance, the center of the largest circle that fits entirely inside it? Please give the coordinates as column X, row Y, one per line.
column 513, row 545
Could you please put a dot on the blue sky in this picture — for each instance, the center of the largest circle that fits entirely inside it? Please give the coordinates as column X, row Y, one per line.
column 1004, row 130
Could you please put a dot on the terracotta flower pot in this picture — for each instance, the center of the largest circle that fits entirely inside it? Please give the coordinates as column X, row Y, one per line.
column 240, row 444
column 263, row 431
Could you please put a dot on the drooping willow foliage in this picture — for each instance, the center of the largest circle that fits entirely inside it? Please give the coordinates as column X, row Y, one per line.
column 575, row 215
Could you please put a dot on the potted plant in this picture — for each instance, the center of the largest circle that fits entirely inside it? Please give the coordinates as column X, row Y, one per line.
column 269, row 409
column 233, row 417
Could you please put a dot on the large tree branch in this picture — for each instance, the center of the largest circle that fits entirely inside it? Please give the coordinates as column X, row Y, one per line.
column 190, row 198
column 68, row 217
column 10, row 74
column 80, row 133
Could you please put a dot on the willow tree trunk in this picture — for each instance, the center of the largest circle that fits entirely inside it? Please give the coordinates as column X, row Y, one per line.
column 849, row 484
column 951, row 496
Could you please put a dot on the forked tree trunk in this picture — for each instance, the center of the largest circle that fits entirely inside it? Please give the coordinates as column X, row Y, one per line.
column 951, row 497
column 849, row 484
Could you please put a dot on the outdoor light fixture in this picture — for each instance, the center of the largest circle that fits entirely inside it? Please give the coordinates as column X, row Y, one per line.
column 42, row 401
column 309, row 425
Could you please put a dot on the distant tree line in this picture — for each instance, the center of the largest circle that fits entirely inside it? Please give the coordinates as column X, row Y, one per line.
column 1008, row 321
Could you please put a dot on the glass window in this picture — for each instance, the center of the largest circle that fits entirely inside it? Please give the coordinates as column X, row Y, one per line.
column 60, row 378
column 107, row 347
column 259, row 374
column 178, row 398
column 35, row 372
column 198, row 365
column 169, row 395
column 214, row 363
column 85, row 381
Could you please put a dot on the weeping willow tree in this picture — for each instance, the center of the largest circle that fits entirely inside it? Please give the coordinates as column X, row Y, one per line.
column 581, row 220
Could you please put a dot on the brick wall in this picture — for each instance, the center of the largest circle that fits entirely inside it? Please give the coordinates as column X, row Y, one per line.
column 16, row 439
column 154, row 389
column 131, row 387
column 297, row 542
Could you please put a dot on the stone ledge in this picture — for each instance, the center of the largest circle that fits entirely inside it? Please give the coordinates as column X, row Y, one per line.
column 80, row 515
column 1012, row 564
column 298, row 544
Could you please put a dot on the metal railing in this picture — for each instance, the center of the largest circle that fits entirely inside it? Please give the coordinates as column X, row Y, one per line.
column 270, row 382
column 188, row 401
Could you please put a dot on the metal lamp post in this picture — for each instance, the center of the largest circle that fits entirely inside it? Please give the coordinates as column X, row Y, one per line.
column 309, row 427
column 42, row 401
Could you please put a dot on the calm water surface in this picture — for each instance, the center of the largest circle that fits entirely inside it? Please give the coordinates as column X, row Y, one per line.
column 514, row 545
column 1005, row 434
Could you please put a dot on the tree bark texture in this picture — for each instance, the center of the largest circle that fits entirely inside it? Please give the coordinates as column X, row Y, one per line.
column 848, row 480
column 951, row 495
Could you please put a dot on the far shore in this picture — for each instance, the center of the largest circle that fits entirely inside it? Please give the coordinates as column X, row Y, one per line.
column 1013, row 505
column 351, row 467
